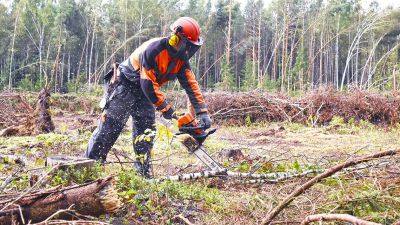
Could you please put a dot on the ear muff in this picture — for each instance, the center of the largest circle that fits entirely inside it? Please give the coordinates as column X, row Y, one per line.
column 173, row 39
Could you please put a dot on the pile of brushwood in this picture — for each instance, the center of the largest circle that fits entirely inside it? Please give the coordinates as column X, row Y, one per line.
column 239, row 108
column 314, row 108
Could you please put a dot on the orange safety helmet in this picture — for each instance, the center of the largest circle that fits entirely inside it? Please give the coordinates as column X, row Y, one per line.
column 190, row 28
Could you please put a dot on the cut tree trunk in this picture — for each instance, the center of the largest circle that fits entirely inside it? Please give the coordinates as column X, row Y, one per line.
column 64, row 163
column 33, row 121
column 94, row 199
column 44, row 124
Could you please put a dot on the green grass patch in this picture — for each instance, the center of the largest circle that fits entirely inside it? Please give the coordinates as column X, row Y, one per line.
column 141, row 193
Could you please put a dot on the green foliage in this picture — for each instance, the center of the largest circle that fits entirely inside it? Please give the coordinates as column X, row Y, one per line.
column 248, row 120
column 244, row 167
column 299, row 69
column 365, row 124
column 363, row 199
column 337, row 121
column 3, row 81
column 250, row 79
column 26, row 84
column 142, row 193
column 227, row 82
column 72, row 175
column 52, row 139
column 78, row 84
column 21, row 183
column 293, row 167
column 270, row 85
column 257, row 37
column 338, row 125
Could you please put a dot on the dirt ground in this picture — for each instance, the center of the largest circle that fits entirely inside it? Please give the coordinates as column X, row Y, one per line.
column 259, row 148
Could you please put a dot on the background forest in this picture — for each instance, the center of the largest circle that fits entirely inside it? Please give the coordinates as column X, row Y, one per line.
column 286, row 46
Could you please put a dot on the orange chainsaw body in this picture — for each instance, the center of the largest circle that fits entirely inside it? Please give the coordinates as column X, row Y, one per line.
column 188, row 120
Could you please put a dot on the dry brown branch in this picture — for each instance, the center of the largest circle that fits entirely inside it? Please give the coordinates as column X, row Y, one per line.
column 74, row 222
column 185, row 220
column 300, row 190
column 11, row 202
column 396, row 223
column 235, row 108
column 336, row 217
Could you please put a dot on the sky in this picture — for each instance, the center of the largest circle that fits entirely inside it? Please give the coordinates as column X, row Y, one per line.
column 382, row 3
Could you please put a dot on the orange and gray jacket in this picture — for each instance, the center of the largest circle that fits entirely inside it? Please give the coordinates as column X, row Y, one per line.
column 153, row 65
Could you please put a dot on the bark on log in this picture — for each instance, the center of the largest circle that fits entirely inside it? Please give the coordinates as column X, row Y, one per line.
column 300, row 190
column 94, row 198
column 336, row 217
column 44, row 124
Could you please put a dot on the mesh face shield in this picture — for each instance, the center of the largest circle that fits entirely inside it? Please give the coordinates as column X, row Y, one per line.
column 191, row 49
column 185, row 52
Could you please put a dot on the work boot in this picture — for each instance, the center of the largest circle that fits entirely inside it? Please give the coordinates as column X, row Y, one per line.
column 144, row 168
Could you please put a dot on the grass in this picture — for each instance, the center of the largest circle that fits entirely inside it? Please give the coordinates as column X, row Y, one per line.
column 295, row 148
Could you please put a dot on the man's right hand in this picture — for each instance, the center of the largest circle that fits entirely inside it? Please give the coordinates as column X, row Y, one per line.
column 204, row 119
column 169, row 114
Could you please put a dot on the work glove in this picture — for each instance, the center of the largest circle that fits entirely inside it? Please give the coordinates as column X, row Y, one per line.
column 169, row 114
column 204, row 120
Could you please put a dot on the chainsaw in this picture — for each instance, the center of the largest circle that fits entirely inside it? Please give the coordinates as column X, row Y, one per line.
column 192, row 136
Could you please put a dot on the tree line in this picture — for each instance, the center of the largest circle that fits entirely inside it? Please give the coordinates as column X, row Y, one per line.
column 290, row 46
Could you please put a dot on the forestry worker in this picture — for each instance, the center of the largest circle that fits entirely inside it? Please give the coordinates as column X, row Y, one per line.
column 134, row 90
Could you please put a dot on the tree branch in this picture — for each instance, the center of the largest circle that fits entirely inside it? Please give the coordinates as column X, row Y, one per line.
column 336, row 217
column 300, row 190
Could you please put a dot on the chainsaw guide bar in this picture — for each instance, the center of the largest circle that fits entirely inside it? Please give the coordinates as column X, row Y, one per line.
column 198, row 150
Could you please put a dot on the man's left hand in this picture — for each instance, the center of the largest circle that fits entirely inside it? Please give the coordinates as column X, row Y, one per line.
column 169, row 114
column 204, row 119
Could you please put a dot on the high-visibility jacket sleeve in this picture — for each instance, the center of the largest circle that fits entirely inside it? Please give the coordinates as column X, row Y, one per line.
column 148, row 81
column 188, row 81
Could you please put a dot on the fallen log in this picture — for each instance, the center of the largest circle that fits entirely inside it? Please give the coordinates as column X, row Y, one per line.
column 300, row 190
column 336, row 217
column 94, row 199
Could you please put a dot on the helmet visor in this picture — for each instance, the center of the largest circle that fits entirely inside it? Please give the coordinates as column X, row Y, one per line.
column 191, row 49
column 198, row 42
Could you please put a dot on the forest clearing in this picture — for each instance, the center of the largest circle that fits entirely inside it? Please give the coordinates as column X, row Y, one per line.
column 199, row 112
column 368, row 190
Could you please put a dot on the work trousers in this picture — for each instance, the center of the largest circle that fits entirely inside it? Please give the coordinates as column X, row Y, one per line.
column 128, row 100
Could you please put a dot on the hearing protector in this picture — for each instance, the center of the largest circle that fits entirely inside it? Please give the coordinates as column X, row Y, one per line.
column 174, row 38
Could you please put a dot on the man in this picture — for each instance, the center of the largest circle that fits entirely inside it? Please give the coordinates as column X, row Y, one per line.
column 135, row 91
